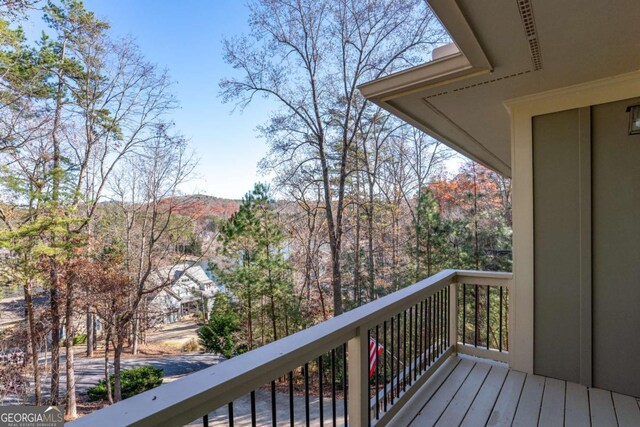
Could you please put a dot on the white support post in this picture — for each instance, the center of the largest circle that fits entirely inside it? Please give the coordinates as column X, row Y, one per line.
column 453, row 316
column 358, row 374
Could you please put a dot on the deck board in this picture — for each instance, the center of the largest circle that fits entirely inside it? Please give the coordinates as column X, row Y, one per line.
column 505, row 407
column 470, row 392
column 426, row 392
column 602, row 412
column 552, row 410
column 530, row 402
column 480, row 410
column 576, row 406
column 627, row 410
column 429, row 415
column 457, row 408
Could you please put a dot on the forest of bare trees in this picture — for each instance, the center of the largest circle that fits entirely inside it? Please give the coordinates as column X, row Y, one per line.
column 371, row 205
column 91, row 169
column 79, row 108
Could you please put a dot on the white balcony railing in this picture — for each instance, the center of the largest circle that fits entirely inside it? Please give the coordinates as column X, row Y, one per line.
column 415, row 329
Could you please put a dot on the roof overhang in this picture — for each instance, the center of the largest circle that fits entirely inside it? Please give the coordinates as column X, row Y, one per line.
column 507, row 49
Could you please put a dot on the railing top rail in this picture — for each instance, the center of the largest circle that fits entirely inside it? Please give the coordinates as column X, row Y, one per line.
column 203, row 391
column 489, row 278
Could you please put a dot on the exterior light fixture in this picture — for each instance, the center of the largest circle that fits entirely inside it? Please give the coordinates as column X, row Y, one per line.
column 634, row 119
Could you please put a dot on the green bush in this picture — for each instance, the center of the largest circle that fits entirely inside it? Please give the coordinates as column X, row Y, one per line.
column 219, row 334
column 80, row 339
column 134, row 381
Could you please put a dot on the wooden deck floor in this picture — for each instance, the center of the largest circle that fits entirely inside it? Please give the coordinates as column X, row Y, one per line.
column 473, row 392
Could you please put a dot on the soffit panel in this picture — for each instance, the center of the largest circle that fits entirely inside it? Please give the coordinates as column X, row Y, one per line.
column 578, row 41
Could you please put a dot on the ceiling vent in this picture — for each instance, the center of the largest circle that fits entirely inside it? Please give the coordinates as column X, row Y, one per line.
column 529, row 23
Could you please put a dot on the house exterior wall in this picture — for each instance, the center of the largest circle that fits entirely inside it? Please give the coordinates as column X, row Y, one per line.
column 616, row 249
column 521, row 296
column 557, row 250
column 586, row 277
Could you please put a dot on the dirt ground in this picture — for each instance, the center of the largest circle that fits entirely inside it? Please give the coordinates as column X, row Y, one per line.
column 170, row 339
column 175, row 334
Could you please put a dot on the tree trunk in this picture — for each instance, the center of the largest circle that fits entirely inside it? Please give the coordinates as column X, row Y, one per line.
column 322, row 303
column 136, row 333
column 395, row 252
column 117, row 353
column 55, row 340
column 357, row 297
column 106, row 366
column 370, row 264
column 70, row 409
column 33, row 341
column 94, row 332
column 90, row 332
column 261, row 320
column 336, row 280
column 334, row 229
column 55, row 194
column 249, row 319
column 429, row 249
column 476, row 243
column 273, row 316
column 418, row 219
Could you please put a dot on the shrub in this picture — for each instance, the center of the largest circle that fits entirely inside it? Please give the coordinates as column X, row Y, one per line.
column 134, row 381
column 191, row 346
column 80, row 339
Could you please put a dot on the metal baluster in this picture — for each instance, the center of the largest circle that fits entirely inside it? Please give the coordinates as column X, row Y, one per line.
column 392, row 353
column 333, row 386
column 488, row 313
column 429, row 310
column 384, row 364
column 368, row 376
column 414, row 352
column 500, row 329
column 449, row 317
column 291, row 414
column 410, row 342
column 404, row 350
column 437, row 323
column 230, row 409
column 425, row 331
column 398, row 358
column 273, row 404
column 441, row 296
column 377, row 373
column 320, row 386
column 433, row 328
column 344, row 381
column 415, row 343
column 464, row 313
column 444, row 319
column 253, row 409
column 306, row 394
column 205, row 420
column 420, row 338
column 475, row 321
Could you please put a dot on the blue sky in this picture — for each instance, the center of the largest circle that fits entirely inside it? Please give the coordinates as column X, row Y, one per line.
column 186, row 38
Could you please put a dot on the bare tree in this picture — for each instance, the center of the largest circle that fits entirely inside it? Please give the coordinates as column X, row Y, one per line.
column 310, row 56
column 104, row 102
column 145, row 195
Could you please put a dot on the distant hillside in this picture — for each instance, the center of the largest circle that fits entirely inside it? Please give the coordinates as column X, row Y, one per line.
column 200, row 206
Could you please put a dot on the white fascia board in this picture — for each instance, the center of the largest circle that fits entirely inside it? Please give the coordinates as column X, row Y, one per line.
column 469, row 61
